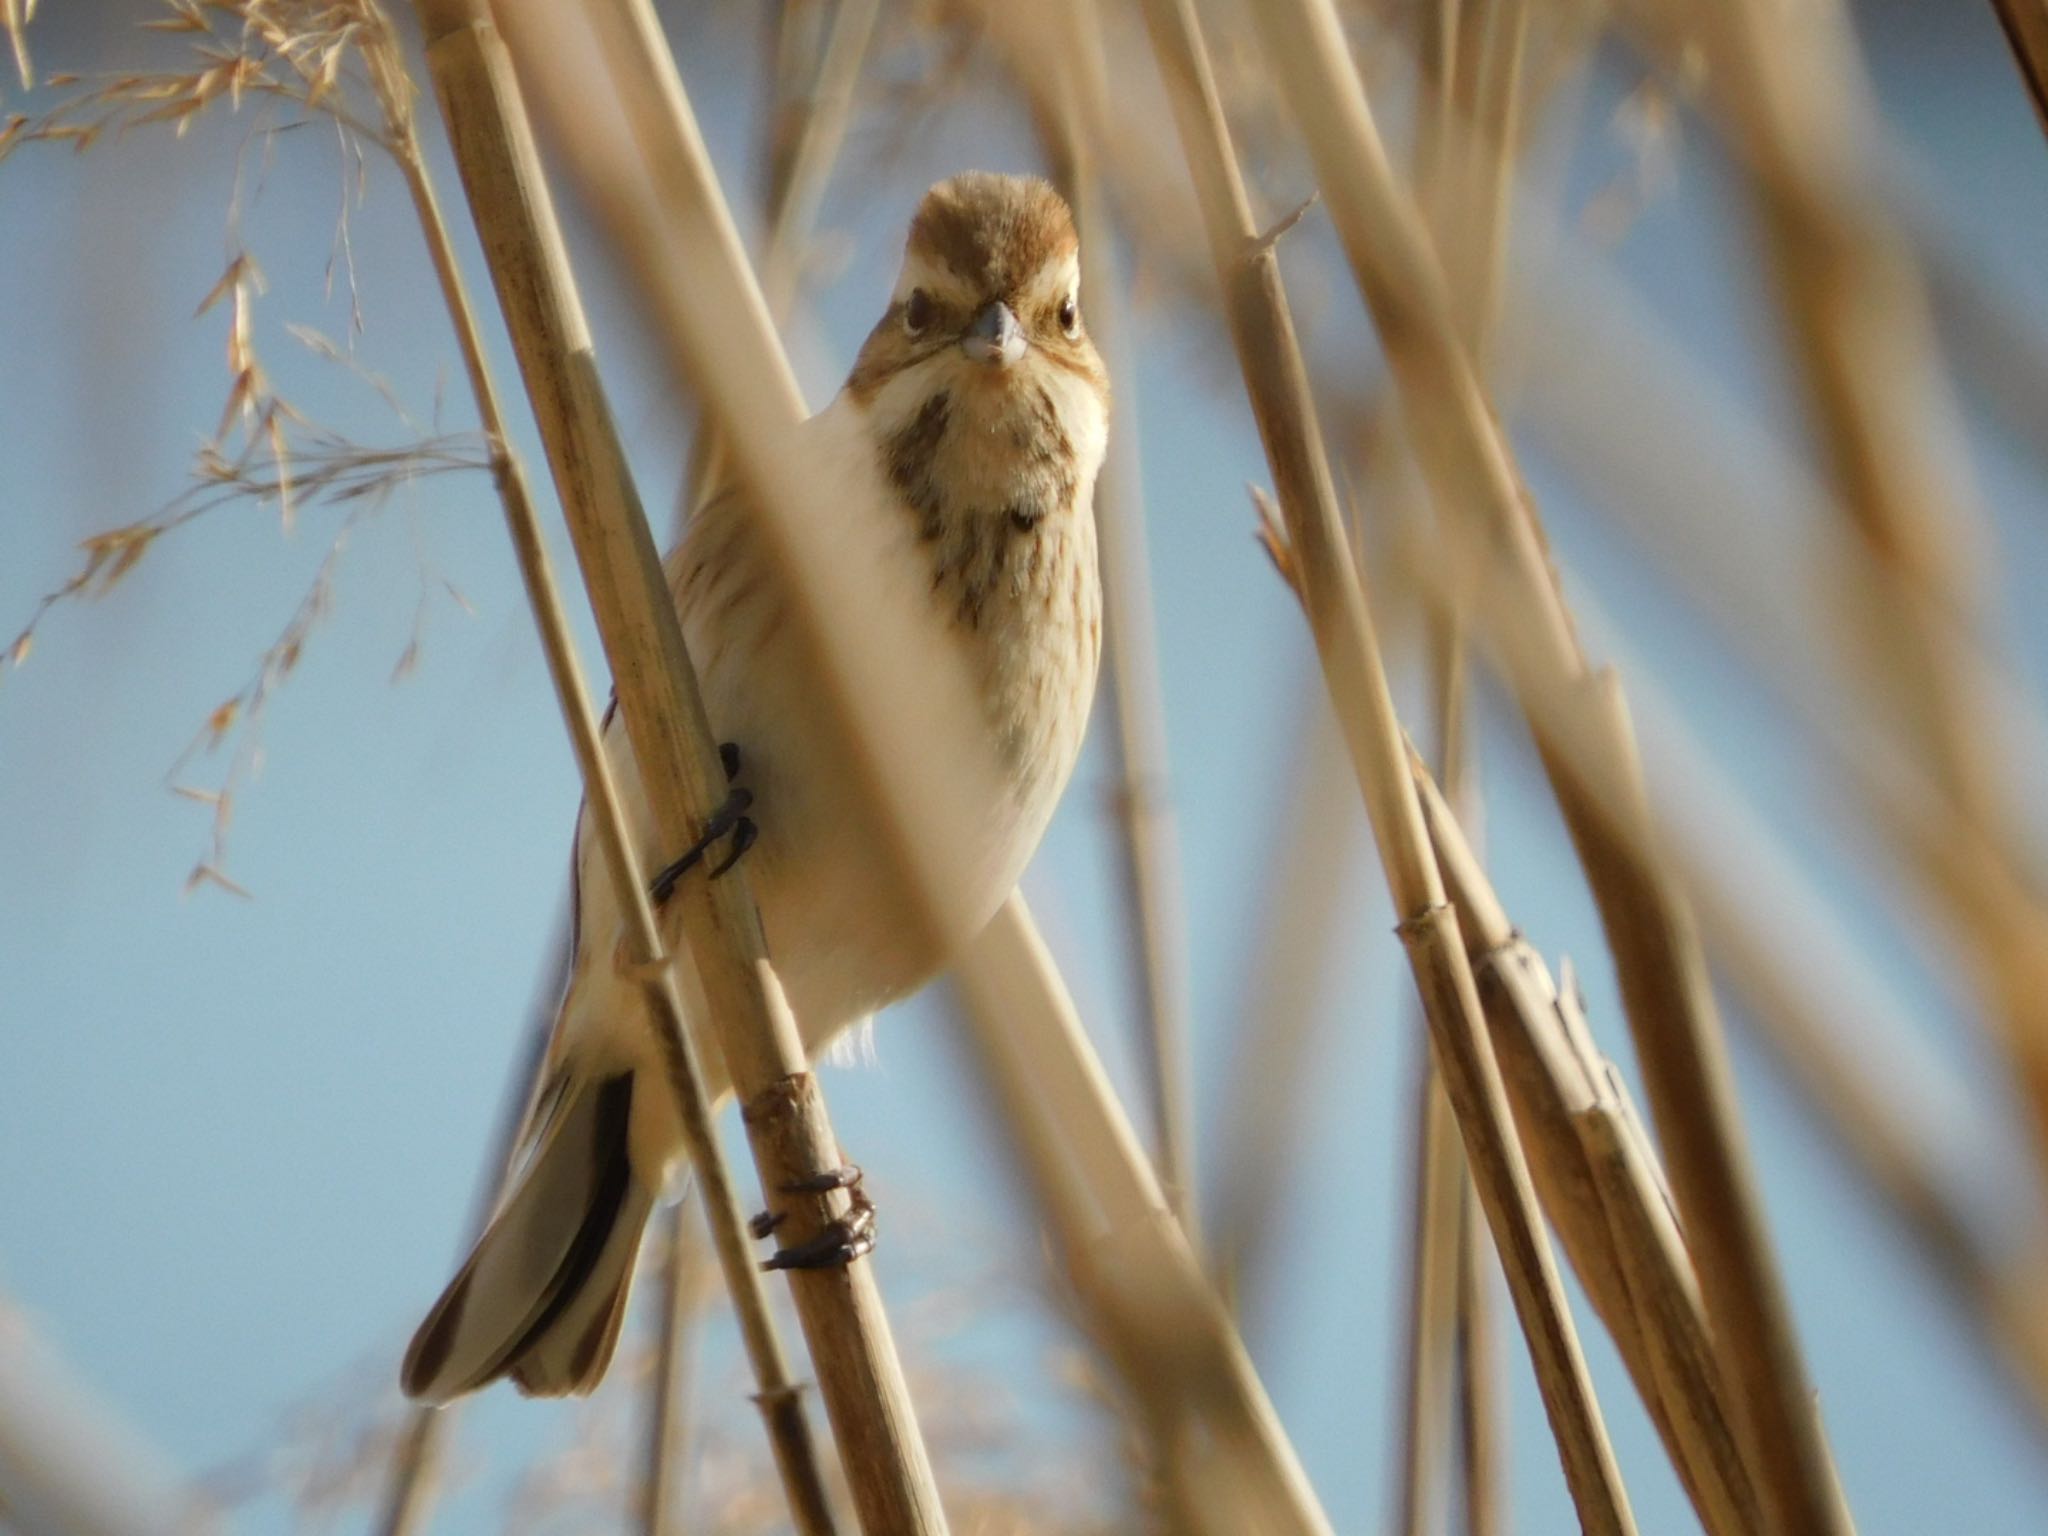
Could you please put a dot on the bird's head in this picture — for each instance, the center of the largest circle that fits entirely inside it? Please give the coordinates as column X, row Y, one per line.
column 984, row 327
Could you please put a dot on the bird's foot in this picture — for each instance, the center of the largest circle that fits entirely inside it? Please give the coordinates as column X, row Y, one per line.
column 730, row 819
column 839, row 1242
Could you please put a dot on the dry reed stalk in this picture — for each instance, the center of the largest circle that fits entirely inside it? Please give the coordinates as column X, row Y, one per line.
column 1789, row 92
column 809, row 146
column 1771, row 936
column 1436, row 1299
column 1482, row 1409
column 1670, row 1007
column 1648, row 1296
column 15, row 16
column 416, row 1459
column 1301, row 915
column 67, row 1464
column 1466, row 150
column 640, row 158
column 1801, row 974
column 1725, row 470
column 807, row 127
column 1269, row 356
column 1430, row 1323
column 685, row 257
column 1149, row 850
column 1169, row 1335
column 668, row 1381
column 2025, row 23
column 508, row 199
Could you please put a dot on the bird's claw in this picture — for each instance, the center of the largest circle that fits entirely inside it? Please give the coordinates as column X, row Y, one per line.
column 730, row 819
column 840, row 1241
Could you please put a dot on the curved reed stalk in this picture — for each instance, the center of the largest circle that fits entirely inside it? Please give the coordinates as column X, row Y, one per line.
column 1857, row 321
column 1150, row 846
column 416, row 1460
column 508, row 197
column 667, row 1446
column 641, row 160
column 1483, row 505
column 1269, row 355
column 1614, row 1218
column 2026, row 32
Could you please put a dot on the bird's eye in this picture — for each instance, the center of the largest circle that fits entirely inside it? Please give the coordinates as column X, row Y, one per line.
column 917, row 311
column 1070, row 315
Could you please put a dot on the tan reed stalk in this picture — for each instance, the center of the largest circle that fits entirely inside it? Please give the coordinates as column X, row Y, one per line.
column 1436, row 1298
column 672, row 222
column 806, row 134
column 719, row 338
column 1269, row 356
column 1663, row 976
column 1801, row 976
column 1990, row 335
column 1149, row 850
column 1465, row 153
column 68, row 1464
column 1482, row 1412
column 1722, row 469
column 508, row 198
column 666, row 1453
column 1648, row 1298
column 2025, row 23
column 803, row 166
column 1074, row 1227
column 792, row 47
column 416, row 1459
column 1430, row 1320
column 1171, row 1338
column 1301, row 915
column 1856, row 317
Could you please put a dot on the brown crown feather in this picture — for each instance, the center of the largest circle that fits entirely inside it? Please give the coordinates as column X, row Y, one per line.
column 993, row 230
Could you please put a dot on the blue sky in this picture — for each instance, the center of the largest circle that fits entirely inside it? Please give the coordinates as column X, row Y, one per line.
column 238, row 1138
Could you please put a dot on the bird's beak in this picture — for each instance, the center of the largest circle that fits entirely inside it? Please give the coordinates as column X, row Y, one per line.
column 994, row 337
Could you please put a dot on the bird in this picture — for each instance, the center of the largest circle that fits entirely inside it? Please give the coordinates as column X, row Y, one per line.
column 958, row 463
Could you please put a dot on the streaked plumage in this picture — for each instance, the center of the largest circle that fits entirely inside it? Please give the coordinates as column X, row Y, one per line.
column 957, row 476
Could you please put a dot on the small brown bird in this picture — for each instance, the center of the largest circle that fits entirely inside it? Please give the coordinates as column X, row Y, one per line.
column 970, row 432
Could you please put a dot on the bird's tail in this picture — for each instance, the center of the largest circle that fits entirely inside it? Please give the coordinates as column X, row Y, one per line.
column 542, row 1295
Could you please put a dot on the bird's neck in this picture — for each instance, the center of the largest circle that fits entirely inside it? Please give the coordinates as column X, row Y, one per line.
column 995, row 480
column 998, row 487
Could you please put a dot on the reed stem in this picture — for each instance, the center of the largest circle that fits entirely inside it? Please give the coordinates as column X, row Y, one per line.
column 1269, row 356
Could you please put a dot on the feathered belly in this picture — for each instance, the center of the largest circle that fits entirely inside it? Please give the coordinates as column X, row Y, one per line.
column 844, row 937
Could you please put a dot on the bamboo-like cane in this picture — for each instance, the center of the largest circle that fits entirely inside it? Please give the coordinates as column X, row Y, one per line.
column 1466, row 151
column 657, row 689
column 1430, row 1321
column 1801, row 975
column 1859, row 332
column 1482, row 1412
column 1670, row 1006
column 1149, row 849
column 721, row 340
column 1649, row 1298
column 806, row 136
column 69, row 1466
column 416, row 1461
column 672, row 220
column 2026, row 31
column 1302, row 920
column 1169, row 1333
column 1269, row 355
column 659, row 1493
